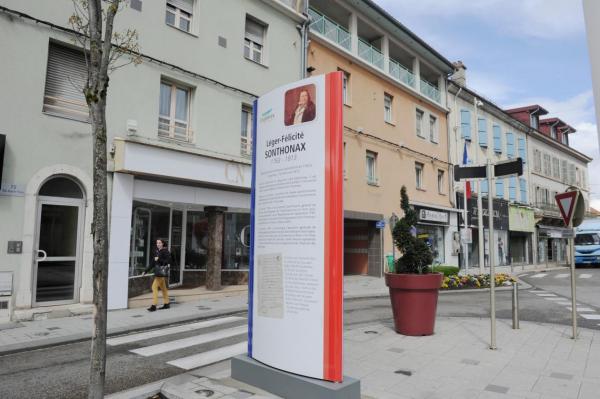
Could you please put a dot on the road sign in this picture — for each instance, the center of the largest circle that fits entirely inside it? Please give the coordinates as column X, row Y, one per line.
column 469, row 172
column 380, row 224
column 514, row 167
column 566, row 204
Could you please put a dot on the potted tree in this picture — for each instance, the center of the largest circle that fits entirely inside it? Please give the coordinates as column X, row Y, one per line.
column 413, row 289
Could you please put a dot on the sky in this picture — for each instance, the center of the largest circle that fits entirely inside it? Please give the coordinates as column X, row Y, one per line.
column 517, row 52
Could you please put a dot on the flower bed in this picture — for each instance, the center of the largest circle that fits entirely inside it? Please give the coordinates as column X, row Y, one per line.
column 456, row 282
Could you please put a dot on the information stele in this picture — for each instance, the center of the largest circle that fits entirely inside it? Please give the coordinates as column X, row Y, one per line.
column 296, row 255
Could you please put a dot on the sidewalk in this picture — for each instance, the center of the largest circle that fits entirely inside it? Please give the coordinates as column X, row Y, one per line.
column 538, row 361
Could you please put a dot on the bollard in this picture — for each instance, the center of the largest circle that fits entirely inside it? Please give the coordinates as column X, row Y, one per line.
column 515, row 306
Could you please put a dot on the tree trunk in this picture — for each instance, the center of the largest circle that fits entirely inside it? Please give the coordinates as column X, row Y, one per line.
column 100, row 264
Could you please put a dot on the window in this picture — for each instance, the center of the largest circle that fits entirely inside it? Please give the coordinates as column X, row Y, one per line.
column 563, row 170
column 553, row 132
column 510, row 145
column 173, row 115
column 497, row 139
column 254, row 40
column 522, row 149
column 344, row 160
column 512, row 188
column 534, row 121
column 246, row 131
column 565, row 139
column 65, row 78
column 523, row 189
column 577, row 177
column 387, row 107
column 587, row 239
column 547, row 165
column 571, row 174
column 345, row 87
column 419, row 125
column 179, row 14
column 440, row 181
column 372, row 168
column 465, row 124
column 433, row 131
column 537, row 161
column 555, row 167
column 484, row 187
column 482, row 132
column 499, row 188
column 419, row 175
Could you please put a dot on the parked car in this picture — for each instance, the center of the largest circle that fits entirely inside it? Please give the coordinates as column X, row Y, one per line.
column 587, row 247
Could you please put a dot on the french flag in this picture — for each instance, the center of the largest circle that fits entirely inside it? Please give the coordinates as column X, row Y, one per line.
column 466, row 162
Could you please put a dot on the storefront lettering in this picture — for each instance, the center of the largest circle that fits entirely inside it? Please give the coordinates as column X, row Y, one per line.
column 486, row 212
column 433, row 216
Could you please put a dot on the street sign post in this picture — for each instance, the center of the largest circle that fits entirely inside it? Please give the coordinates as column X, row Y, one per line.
column 393, row 220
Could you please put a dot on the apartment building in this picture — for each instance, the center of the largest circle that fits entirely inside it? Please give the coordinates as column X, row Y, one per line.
column 395, row 129
column 554, row 167
column 179, row 143
column 487, row 133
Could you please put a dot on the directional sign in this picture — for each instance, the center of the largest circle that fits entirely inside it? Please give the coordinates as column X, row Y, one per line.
column 509, row 168
column 380, row 224
column 566, row 204
column 469, row 172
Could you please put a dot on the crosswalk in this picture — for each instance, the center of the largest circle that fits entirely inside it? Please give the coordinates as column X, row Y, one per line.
column 559, row 275
column 167, row 341
column 583, row 311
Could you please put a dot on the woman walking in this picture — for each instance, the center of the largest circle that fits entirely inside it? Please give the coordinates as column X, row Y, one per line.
column 161, row 264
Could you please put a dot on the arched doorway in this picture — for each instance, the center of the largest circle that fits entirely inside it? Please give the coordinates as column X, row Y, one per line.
column 59, row 228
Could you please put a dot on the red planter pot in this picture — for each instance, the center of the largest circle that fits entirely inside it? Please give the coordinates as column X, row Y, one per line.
column 414, row 301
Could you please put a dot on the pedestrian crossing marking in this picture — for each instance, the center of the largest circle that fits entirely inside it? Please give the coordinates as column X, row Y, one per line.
column 591, row 316
column 539, row 275
column 585, row 275
column 554, row 299
column 171, row 330
column 545, row 295
column 210, row 357
column 562, row 275
column 191, row 341
column 582, row 309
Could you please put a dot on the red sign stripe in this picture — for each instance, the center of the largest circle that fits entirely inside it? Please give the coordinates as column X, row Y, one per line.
column 334, row 219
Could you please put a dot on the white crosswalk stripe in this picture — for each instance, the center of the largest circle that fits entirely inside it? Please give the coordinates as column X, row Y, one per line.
column 539, row 275
column 554, row 299
column 190, row 341
column 590, row 316
column 546, row 295
column 171, row 330
column 562, row 275
column 213, row 356
column 585, row 275
column 582, row 309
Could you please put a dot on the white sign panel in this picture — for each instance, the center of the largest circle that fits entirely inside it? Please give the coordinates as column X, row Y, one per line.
column 433, row 216
column 295, row 308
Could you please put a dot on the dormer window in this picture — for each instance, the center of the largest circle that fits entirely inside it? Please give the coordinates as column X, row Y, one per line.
column 553, row 132
column 565, row 139
column 534, row 121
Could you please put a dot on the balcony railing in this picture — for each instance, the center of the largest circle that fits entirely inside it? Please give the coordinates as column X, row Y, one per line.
column 370, row 53
column 429, row 90
column 331, row 30
column 401, row 73
column 547, row 208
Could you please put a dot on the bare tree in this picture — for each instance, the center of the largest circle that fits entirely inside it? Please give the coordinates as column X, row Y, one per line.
column 94, row 20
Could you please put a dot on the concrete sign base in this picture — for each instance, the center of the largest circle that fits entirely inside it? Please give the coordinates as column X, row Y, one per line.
column 291, row 386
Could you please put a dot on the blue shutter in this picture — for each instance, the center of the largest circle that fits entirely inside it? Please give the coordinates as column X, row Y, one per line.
column 484, row 187
column 482, row 132
column 465, row 124
column 500, row 188
column 497, row 139
column 512, row 188
column 522, row 152
column 510, row 145
column 523, row 187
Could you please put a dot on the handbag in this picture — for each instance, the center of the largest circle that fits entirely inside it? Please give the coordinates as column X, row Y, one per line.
column 161, row 270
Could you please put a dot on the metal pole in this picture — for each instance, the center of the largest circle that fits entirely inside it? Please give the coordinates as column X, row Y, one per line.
column 490, row 175
column 573, row 293
column 515, row 306
column 465, row 246
column 480, row 227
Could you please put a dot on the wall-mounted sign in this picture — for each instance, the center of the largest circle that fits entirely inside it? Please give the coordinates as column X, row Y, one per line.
column 429, row 215
column 296, row 267
column 12, row 190
column 380, row 224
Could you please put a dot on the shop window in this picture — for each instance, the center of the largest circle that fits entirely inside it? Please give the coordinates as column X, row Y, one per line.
column 433, row 236
column 196, row 242
column 236, row 241
column 149, row 223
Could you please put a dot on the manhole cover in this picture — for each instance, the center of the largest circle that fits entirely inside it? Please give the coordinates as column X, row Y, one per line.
column 404, row 372
column 205, row 393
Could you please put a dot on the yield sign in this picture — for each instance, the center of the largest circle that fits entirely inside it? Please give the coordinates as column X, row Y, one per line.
column 566, row 204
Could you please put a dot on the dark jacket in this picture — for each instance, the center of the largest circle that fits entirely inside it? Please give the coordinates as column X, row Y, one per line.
column 307, row 116
column 164, row 258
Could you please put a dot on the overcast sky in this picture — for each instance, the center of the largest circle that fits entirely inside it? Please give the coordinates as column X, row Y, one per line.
column 517, row 52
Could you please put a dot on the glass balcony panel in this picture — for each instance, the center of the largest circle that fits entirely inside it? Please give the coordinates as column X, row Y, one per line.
column 330, row 29
column 430, row 91
column 401, row 73
column 370, row 54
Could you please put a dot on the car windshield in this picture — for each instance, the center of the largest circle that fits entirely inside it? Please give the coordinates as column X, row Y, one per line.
column 587, row 239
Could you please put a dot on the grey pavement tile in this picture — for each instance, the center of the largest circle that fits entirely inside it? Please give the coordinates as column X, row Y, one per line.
column 553, row 386
column 496, row 388
column 589, row 390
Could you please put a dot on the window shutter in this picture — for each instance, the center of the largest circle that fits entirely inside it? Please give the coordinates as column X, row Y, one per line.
column 185, row 5
column 497, row 139
column 482, row 132
column 65, row 78
column 254, row 31
column 500, row 188
column 465, row 124
column 523, row 187
column 522, row 152
column 484, row 187
column 510, row 145
column 512, row 188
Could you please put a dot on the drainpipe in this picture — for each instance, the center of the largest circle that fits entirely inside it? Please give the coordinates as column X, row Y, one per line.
column 304, row 42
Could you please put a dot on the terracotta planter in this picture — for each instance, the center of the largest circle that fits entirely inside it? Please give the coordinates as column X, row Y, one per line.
column 414, row 301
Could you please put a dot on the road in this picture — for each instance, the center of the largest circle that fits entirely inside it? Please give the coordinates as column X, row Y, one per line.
column 136, row 359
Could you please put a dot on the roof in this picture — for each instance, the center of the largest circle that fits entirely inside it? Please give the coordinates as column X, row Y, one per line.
column 560, row 122
column 534, row 107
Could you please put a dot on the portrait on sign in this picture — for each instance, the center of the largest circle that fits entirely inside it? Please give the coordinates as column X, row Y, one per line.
column 300, row 105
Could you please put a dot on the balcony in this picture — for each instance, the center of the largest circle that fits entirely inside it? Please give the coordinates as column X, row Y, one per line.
column 548, row 208
column 330, row 29
column 430, row 91
column 401, row 73
column 370, row 53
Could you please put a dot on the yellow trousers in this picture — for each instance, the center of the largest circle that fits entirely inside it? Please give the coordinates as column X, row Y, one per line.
column 160, row 283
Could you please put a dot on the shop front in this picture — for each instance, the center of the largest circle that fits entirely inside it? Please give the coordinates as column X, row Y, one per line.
column 521, row 222
column 431, row 228
column 552, row 244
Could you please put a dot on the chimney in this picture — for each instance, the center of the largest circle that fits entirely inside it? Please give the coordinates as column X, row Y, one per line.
column 459, row 76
